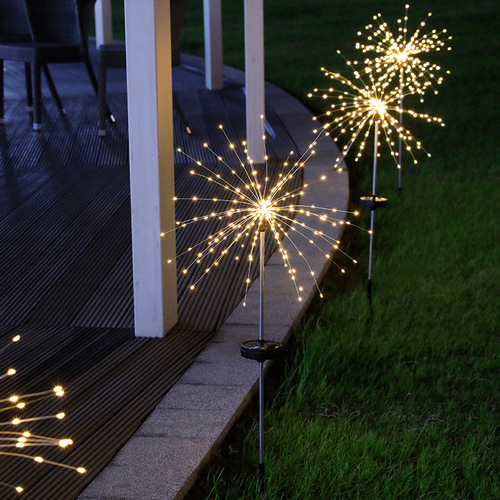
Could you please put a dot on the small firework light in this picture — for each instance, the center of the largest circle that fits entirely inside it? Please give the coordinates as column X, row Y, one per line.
column 357, row 108
column 403, row 57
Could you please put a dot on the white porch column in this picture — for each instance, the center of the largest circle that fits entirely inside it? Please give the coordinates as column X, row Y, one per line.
column 254, row 77
column 149, row 82
column 212, row 21
column 103, row 22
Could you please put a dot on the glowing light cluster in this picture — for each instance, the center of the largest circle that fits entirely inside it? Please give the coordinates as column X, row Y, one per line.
column 397, row 56
column 356, row 107
column 15, row 439
column 254, row 199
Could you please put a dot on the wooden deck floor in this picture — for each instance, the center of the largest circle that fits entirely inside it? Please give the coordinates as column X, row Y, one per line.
column 66, row 276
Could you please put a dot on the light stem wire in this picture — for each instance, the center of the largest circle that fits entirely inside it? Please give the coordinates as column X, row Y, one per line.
column 372, row 222
column 400, row 157
column 262, row 235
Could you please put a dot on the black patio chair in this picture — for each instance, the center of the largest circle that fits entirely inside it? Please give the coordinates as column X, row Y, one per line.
column 14, row 28
column 59, row 34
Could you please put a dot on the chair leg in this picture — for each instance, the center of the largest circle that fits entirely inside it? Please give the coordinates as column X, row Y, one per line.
column 102, row 99
column 182, row 116
column 37, row 114
column 2, row 119
column 29, row 86
column 53, row 90
column 95, row 85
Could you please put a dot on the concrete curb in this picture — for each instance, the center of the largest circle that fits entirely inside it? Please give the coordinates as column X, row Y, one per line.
column 162, row 460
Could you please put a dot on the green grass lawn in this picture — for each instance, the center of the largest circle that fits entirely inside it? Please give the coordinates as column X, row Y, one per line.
column 400, row 400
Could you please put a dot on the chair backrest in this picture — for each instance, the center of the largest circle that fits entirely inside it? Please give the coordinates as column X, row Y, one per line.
column 60, row 21
column 13, row 21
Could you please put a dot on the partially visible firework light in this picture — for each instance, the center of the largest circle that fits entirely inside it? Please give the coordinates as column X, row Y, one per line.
column 20, row 438
column 356, row 106
column 251, row 197
column 403, row 57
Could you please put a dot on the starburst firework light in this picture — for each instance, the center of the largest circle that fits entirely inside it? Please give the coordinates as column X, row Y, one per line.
column 397, row 56
column 255, row 200
column 18, row 438
column 357, row 109
column 403, row 58
column 251, row 195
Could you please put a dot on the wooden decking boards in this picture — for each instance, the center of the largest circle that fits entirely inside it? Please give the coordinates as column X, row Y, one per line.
column 66, row 275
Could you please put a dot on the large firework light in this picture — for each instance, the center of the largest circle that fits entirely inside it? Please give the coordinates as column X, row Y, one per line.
column 256, row 200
